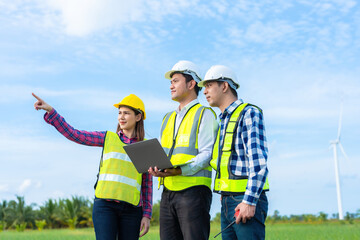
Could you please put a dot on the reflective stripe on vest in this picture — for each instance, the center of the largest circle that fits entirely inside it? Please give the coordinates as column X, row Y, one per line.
column 118, row 178
column 183, row 147
column 225, row 180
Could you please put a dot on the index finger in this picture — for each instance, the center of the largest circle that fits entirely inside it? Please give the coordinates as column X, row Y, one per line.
column 146, row 229
column 37, row 97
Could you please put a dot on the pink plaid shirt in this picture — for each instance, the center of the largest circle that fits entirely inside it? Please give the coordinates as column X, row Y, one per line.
column 97, row 138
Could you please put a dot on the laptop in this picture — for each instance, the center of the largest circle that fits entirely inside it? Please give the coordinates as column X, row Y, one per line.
column 146, row 154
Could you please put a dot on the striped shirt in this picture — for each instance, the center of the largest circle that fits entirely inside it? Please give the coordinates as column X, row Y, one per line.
column 97, row 138
column 250, row 156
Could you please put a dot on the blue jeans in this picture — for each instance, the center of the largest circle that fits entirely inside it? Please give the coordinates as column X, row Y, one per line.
column 116, row 220
column 253, row 228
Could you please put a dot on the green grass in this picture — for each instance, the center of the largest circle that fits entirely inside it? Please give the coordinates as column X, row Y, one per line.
column 57, row 234
column 328, row 231
column 278, row 231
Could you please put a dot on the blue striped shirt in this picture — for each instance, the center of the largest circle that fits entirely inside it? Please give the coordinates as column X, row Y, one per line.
column 250, row 155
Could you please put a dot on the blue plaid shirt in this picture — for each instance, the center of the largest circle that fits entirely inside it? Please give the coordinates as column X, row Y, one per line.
column 250, row 155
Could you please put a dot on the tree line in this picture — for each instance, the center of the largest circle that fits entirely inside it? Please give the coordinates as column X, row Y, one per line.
column 76, row 212
column 321, row 217
column 61, row 213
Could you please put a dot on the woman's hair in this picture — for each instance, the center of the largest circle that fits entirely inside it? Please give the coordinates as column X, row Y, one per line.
column 139, row 127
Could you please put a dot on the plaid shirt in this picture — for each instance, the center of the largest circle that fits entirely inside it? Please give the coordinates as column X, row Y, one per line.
column 250, row 155
column 97, row 138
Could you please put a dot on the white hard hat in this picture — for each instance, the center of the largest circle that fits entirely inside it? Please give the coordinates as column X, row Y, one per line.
column 220, row 73
column 185, row 67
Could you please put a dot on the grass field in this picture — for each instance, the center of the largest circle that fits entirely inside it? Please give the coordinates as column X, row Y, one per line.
column 326, row 231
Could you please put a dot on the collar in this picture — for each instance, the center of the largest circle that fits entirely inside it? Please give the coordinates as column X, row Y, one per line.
column 187, row 107
column 125, row 138
column 231, row 108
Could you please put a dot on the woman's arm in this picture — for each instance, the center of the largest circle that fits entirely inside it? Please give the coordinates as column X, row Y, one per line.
column 95, row 138
column 146, row 193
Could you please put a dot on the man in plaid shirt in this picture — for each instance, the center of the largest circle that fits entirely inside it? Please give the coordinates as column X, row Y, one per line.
column 239, row 157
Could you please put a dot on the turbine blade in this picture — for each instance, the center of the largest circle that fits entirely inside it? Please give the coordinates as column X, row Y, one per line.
column 343, row 151
column 340, row 120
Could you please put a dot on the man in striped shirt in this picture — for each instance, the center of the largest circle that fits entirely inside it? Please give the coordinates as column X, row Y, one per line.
column 239, row 157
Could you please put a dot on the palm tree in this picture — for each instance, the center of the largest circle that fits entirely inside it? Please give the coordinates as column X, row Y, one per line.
column 50, row 212
column 68, row 213
column 21, row 213
column 85, row 217
column 322, row 217
column 3, row 208
column 74, row 211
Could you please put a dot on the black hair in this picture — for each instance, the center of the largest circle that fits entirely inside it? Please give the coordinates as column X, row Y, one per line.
column 233, row 91
column 188, row 78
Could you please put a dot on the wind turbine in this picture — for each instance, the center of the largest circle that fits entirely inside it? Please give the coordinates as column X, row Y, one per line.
column 334, row 144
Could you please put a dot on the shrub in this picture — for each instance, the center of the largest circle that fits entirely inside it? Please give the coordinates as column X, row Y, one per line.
column 20, row 227
column 40, row 224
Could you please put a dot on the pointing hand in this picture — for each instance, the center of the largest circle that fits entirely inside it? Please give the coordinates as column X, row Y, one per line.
column 41, row 104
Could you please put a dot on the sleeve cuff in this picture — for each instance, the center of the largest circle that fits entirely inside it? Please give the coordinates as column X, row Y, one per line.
column 48, row 117
column 147, row 215
column 185, row 170
column 251, row 200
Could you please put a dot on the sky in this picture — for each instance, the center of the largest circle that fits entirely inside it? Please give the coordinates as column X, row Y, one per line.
column 297, row 60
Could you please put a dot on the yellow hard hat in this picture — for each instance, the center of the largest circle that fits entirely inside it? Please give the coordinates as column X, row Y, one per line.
column 134, row 102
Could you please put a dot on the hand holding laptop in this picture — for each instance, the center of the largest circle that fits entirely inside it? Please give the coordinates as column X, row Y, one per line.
column 149, row 156
column 164, row 172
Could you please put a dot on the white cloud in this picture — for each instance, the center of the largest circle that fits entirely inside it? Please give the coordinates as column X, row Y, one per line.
column 83, row 17
column 14, row 66
column 24, row 185
column 268, row 32
column 141, row 25
column 221, row 6
column 347, row 5
column 4, row 187
column 24, row 14
column 155, row 104
column 38, row 184
column 342, row 34
column 99, row 99
column 325, row 7
column 323, row 33
column 57, row 194
column 294, row 55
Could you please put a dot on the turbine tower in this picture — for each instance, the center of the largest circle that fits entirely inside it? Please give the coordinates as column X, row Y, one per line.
column 335, row 144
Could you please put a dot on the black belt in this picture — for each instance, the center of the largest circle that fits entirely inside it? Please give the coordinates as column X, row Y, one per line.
column 229, row 194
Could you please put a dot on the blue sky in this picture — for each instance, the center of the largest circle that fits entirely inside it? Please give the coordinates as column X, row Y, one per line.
column 297, row 60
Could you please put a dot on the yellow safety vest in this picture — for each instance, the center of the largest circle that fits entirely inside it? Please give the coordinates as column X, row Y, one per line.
column 118, row 179
column 183, row 147
column 225, row 180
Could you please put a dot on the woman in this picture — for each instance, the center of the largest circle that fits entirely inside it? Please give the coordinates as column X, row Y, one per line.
column 123, row 197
